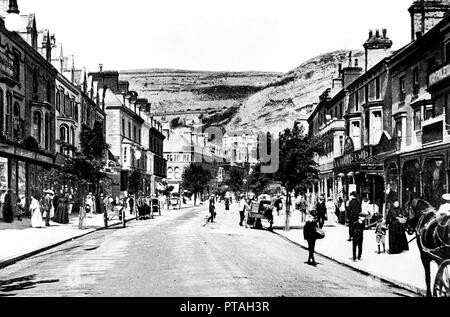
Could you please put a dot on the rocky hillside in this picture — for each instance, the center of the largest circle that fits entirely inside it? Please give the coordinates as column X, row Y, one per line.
column 240, row 100
column 291, row 97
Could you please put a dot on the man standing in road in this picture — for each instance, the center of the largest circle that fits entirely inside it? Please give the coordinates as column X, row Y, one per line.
column 242, row 207
column 212, row 209
column 46, row 204
column 353, row 212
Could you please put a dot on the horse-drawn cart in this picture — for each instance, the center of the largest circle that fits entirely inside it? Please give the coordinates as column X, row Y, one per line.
column 263, row 210
column 433, row 237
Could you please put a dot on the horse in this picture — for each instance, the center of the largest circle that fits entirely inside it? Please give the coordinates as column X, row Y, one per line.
column 431, row 232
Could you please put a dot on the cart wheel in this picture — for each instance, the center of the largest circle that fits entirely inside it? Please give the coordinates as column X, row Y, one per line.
column 442, row 282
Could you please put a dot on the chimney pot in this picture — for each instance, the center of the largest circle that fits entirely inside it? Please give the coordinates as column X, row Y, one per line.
column 384, row 33
column 101, row 67
column 377, row 34
column 370, row 34
column 356, row 62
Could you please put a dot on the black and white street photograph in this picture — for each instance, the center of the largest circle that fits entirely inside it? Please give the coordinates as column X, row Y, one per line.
column 240, row 149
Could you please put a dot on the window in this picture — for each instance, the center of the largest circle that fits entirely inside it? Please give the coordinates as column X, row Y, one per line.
column 177, row 173
column 170, row 173
column 399, row 129
column 134, row 134
column 35, row 82
column 17, row 125
column 402, row 89
column 47, row 131
column 341, row 110
column 49, row 91
column 123, row 127
column 416, row 85
column 431, row 65
column 357, row 101
column 129, row 130
column 430, row 112
column 1, row 111
column 16, row 65
column 417, row 120
column 8, row 119
column 72, row 135
column 75, row 112
column 125, row 155
column 366, row 93
column 64, row 133
column 447, row 52
column 139, row 136
column 37, row 126
column 58, row 101
column 377, row 88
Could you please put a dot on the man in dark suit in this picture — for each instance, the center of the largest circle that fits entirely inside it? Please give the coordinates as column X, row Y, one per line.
column 212, row 209
column 353, row 212
column 321, row 211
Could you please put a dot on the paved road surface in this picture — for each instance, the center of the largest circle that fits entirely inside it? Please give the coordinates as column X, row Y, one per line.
column 178, row 255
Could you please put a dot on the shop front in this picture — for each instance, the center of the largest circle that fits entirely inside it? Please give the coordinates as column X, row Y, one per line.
column 23, row 172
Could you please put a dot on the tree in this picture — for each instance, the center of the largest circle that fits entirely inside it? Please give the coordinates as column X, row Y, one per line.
column 298, row 169
column 195, row 179
column 259, row 182
column 235, row 182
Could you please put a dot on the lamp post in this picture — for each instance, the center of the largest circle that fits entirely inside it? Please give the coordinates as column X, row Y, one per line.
column 13, row 22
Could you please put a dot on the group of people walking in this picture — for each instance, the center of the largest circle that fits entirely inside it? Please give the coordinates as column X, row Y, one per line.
column 50, row 207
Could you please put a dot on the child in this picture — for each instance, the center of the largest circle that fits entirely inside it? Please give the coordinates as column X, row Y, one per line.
column 309, row 233
column 357, row 231
column 380, row 233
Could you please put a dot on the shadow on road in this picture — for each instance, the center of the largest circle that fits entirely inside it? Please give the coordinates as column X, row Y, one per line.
column 21, row 283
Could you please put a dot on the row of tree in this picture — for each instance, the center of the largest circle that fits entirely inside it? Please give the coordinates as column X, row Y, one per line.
column 297, row 171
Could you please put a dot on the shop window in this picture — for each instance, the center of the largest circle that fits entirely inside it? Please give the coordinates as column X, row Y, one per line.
column 402, row 89
column 411, row 181
column 434, row 182
column 37, row 126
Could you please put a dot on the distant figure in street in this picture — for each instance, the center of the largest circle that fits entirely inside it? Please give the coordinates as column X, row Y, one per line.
column 62, row 212
column 46, row 206
column 321, row 210
column 310, row 235
column 278, row 204
column 131, row 205
column 89, row 205
column 212, row 209
column 398, row 242
column 353, row 212
column 357, row 229
column 227, row 204
column 380, row 233
column 342, row 209
column 303, row 206
column 331, row 211
column 242, row 208
column 8, row 212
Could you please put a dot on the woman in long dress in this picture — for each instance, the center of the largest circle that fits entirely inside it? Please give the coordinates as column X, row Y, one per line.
column 62, row 211
column 331, row 212
column 398, row 242
column 36, row 214
column 8, row 211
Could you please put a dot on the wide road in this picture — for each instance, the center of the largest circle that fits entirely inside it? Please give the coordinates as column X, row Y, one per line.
column 177, row 255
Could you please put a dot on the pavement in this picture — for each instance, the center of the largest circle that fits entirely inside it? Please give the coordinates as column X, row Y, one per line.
column 180, row 255
column 404, row 270
column 19, row 241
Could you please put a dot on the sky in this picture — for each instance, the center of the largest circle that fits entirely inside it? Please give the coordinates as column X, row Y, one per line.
column 227, row 35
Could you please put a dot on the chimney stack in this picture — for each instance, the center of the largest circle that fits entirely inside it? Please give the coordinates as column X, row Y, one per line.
column 377, row 48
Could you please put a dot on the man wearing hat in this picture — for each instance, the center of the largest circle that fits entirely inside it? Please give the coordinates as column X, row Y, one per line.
column 444, row 210
column 46, row 204
column 353, row 211
column 357, row 230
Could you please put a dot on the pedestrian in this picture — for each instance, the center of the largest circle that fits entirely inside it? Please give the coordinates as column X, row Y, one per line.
column 46, row 206
column 227, row 204
column 36, row 213
column 398, row 242
column 278, row 204
column 310, row 235
column 89, row 205
column 353, row 212
column 303, row 206
column 331, row 211
column 8, row 213
column 243, row 206
column 357, row 229
column 321, row 211
column 131, row 204
column 212, row 209
column 380, row 233
column 62, row 211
